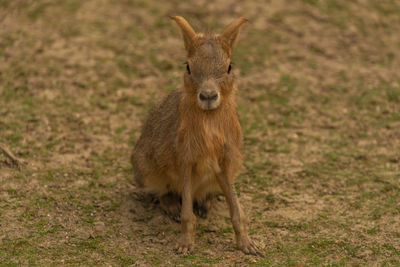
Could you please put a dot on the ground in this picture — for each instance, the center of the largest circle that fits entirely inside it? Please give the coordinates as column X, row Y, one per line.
column 319, row 102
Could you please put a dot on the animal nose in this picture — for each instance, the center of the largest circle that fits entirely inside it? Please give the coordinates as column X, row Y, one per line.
column 208, row 96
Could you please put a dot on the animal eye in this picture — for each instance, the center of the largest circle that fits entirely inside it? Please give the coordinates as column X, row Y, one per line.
column 230, row 68
column 187, row 67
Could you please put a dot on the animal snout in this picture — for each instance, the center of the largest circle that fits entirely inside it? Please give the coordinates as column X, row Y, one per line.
column 208, row 96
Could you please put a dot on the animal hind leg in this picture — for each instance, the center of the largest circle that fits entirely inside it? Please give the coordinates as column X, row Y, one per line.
column 202, row 207
column 171, row 204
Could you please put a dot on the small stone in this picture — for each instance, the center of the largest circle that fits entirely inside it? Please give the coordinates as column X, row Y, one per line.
column 99, row 227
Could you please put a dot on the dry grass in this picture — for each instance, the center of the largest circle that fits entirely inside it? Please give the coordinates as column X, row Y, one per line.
column 319, row 101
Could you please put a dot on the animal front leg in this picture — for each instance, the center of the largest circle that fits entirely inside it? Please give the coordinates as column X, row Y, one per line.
column 238, row 217
column 188, row 219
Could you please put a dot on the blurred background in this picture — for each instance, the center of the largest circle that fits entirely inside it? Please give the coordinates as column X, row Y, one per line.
column 319, row 102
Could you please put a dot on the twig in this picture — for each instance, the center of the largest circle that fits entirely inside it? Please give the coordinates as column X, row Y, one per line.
column 18, row 162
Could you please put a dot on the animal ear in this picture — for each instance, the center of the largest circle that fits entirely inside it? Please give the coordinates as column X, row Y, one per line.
column 231, row 32
column 187, row 31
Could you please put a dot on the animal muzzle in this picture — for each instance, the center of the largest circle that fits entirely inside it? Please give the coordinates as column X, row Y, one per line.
column 208, row 99
column 208, row 96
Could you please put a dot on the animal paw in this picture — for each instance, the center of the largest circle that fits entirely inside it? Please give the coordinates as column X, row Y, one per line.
column 171, row 205
column 202, row 208
column 246, row 245
column 184, row 246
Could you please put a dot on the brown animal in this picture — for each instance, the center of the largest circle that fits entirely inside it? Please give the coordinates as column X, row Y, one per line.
column 190, row 145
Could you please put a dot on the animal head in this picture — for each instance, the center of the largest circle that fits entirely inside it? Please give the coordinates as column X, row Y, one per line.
column 208, row 75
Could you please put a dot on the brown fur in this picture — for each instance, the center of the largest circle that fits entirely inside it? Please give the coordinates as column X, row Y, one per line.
column 190, row 147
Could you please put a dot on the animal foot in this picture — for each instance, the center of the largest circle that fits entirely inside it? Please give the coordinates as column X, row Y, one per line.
column 171, row 204
column 246, row 245
column 201, row 208
column 185, row 245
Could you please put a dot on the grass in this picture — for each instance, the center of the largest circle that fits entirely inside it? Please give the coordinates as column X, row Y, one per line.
column 319, row 103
